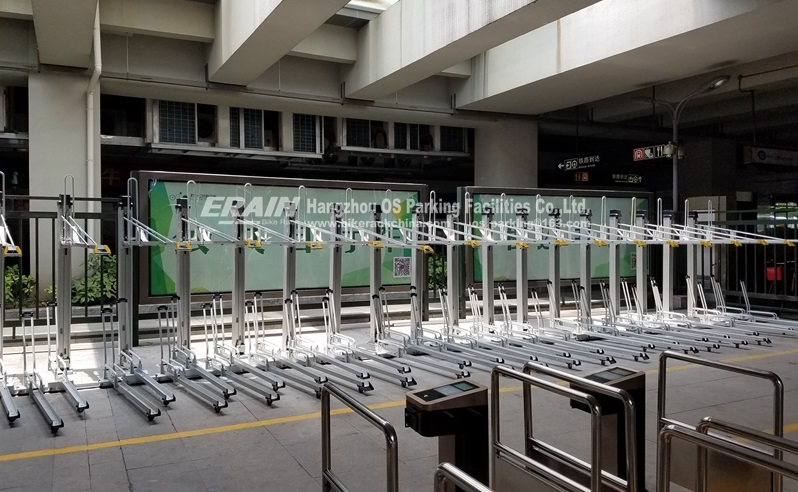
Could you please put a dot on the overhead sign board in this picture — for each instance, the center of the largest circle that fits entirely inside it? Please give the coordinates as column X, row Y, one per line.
column 575, row 163
column 778, row 157
column 627, row 178
column 648, row 153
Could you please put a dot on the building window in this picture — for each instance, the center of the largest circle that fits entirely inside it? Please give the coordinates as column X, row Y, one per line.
column 400, row 135
column 206, row 124
column 452, row 139
column 413, row 137
column 304, row 133
column 366, row 133
column 357, row 133
column 122, row 116
column 235, row 127
column 177, row 122
column 16, row 103
column 255, row 128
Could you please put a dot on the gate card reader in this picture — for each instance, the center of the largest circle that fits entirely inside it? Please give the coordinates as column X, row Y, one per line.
column 457, row 414
column 613, row 435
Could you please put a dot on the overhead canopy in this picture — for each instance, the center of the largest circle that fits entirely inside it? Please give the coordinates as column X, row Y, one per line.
column 413, row 40
column 251, row 36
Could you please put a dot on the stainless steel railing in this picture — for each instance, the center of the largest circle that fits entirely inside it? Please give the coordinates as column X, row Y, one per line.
column 447, row 473
column 630, row 421
column 502, row 452
column 775, row 380
column 704, row 443
column 329, row 481
column 778, row 387
column 710, row 423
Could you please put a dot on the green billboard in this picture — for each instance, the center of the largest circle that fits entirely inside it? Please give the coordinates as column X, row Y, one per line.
column 504, row 207
column 211, row 203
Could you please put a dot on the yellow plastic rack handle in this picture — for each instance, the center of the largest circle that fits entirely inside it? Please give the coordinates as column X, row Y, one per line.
column 105, row 249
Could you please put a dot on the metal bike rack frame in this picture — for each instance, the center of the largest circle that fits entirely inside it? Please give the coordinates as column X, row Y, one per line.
column 330, row 481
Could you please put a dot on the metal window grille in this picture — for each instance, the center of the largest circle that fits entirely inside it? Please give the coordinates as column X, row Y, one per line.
column 235, row 127
column 400, row 135
column 304, row 133
column 452, row 139
column 253, row 129
column 178, row 122
column 414, row 137
column 358, row 133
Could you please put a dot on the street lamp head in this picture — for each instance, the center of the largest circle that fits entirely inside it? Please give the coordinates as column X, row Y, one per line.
column 713, row 84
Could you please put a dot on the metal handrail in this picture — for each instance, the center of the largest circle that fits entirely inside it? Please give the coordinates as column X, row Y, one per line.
column 705, row 442
column 330, row 481
column 778, row 387
column 778, row 393
column 497, row 448
column 447, row 473
column 630, row 418
column 779, row 444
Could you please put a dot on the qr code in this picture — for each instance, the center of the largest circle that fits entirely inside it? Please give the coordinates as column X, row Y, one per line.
column 401, row 267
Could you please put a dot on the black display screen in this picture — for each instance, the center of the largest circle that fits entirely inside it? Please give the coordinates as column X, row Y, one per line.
column 610, row 375
column 447, row 390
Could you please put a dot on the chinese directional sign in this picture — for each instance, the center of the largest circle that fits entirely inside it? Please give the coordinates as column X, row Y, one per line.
column 574, row 163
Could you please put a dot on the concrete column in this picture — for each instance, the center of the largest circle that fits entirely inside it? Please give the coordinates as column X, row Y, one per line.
column 506, row 154
column 223, row 125
column 286, row 132
column 57, row 106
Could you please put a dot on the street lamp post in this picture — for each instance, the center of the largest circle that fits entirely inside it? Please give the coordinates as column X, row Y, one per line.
column 676, row 113
column 675, row 149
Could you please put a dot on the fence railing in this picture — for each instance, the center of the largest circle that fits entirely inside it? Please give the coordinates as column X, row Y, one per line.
column 30, row 278
column 768, row 269
column 330, row 482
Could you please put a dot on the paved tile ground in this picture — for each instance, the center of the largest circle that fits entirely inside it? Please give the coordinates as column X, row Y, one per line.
column 252, row 446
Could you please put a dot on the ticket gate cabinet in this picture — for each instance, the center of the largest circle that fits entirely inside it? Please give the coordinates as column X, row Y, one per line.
column 457, row 414
column 613, row 435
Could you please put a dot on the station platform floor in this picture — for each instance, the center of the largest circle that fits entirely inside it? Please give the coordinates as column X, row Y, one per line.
column 252, row 446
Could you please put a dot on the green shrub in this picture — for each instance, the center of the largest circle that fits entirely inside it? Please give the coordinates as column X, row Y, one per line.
column 100, row 283
column 436, row 271
column 16, row 290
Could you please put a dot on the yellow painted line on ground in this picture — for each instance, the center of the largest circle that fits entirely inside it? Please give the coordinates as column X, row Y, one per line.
column 730, row 360
column 309, row 416
column 788, row 428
